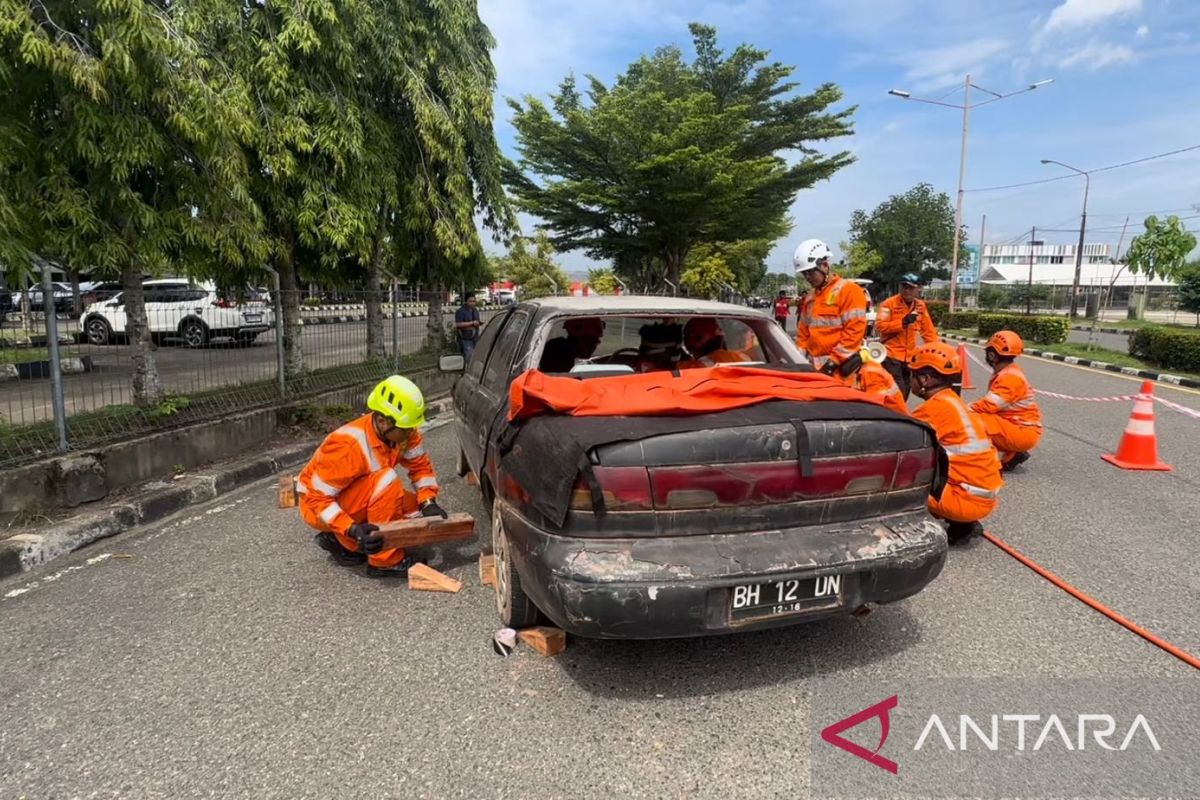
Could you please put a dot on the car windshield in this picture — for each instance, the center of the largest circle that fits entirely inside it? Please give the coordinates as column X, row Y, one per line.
column 641, row 343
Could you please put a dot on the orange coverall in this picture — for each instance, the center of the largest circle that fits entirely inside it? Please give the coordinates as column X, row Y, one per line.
column 974, row 480
column 901, row 339
column 832, row 322
column 719, row 356
column 1010, row 413
column 355, row 477
column 874, row 379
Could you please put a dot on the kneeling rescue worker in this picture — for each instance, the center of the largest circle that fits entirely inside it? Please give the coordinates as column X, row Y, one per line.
column 974, row 477
column 1009, row 410
column 352, row 483
column 863, row 373
column 705, row 341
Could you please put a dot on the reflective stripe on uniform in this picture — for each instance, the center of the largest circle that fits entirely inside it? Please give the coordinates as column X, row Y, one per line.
column 995, row 399
column 844, row 352
column 825, row 322
column 386, row 478
column 414, row 452
column 426, row 483
column 976, row 491
column 330, row 513
column 974, row 444
column 319, row 484
column 360, row 436
column 849, row 315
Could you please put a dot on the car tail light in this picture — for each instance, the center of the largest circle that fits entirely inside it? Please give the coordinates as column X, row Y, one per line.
column 222, row 304
column 623, row 489
column 915, row 467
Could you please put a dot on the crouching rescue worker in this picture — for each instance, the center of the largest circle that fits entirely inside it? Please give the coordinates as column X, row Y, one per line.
column 353, row 482
column 705, row 341
column 1009, row 410
column 863, row 373
column 974, row 476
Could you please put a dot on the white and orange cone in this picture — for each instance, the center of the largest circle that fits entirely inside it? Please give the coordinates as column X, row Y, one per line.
column 965, row 361
column 1139, row 446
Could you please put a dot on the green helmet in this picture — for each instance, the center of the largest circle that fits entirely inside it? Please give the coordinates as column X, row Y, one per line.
column 398, row 399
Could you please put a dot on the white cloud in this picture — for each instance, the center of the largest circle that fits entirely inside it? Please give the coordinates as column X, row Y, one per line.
column 1143, row 31
column 1082, row 13
column 942, row 67
column 1096, row 55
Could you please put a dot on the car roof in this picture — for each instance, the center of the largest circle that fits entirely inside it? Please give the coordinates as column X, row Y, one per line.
column 636, row 304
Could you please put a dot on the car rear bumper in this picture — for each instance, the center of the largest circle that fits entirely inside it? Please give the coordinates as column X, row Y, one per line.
column 683, row 586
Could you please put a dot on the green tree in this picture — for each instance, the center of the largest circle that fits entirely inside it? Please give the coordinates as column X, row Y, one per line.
column 121, row 146
column 1161, row 250
column 603, row 281
column 707, row 273
column 910, row 232
column 1189, row 289
column 534, row 271
column 859, row 259
column 672, row 155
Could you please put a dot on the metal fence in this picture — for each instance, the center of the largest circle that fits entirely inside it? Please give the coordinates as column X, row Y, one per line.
column 213, row 358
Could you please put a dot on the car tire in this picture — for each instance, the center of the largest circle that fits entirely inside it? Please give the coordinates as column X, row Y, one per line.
column 246, row 339
column 97, row 331
column 516, row 610
column 463, row 466
column 193, row 332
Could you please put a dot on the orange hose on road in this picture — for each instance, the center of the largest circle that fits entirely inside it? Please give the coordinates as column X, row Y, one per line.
column 1182, row 655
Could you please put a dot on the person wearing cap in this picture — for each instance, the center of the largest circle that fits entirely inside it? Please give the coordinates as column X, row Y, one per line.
column 584, row 334
column 352, row 483
column 863, row 373
column 899, row 321
column 1009, row 409
column 974, row 481
column 660, row 347
column 832, row 321
column 705, row 342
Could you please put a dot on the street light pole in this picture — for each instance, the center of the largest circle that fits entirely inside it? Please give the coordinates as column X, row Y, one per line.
column 1087, row 183
column 962, row 157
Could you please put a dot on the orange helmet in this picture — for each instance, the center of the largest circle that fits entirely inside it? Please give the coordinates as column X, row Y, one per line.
column 937, row 356
column 1006, row 343
column 700, row 332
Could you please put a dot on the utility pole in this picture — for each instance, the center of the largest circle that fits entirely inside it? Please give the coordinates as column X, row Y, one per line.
column 1087, row 182
column 1029, row 288
column 979, row 266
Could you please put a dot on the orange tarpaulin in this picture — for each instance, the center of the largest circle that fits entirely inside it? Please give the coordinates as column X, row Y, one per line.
column 695, row 391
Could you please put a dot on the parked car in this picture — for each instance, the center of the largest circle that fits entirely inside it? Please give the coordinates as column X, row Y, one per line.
column 9, row 301
column 62, row 297
column 179, row 308
column 676, row 525
column 866, row 284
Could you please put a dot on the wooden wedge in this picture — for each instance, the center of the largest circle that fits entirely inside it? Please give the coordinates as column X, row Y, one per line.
column 287, row 491
column 545, row 640
column 423, row 578
column 421, row 531
column 487, row 570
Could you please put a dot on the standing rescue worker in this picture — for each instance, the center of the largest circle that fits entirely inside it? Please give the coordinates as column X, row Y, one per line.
column 832, row 320
column 783, row 307
column 352, row 483
column 898, row 321
column 974, row 478
column 863, row 373
column 705, row 341
column 1009, row 409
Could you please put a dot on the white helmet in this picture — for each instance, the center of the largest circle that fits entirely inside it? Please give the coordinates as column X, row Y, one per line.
column 809, row 253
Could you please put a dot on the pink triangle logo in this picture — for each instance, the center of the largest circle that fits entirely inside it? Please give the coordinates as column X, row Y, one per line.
column 832, row 734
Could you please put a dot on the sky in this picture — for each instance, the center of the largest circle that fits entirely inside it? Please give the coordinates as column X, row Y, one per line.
column 1126, row 85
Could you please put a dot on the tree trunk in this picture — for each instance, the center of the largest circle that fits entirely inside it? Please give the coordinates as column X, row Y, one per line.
column 435, row 337
column 147, row 387
column 293, row 332
column 674, row 261
column 374, row 300
column 76, row 296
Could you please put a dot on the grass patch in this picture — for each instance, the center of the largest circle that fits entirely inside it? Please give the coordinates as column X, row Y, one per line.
column 23, row 355
column 1132, row 324
column 1111, row 357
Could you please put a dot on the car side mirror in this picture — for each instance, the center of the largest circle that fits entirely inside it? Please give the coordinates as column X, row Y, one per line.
column 455, row 363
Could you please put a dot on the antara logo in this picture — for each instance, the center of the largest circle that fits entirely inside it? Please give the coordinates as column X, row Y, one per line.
column 832, row 734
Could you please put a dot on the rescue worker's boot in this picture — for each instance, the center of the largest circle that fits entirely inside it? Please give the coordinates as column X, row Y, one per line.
column 962, row 532
column 341, row 556
column 397, row 571
column 1013, row 461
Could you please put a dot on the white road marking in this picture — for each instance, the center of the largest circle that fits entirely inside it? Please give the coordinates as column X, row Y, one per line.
column 29, row 587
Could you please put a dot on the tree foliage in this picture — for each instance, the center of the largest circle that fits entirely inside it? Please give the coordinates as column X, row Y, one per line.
column 707, row 273
column 1189, row 289
column 672, row 155
column 603, row 281
column 1161, row 250
column 859, row 259
column 910, row 232
column 534, row 271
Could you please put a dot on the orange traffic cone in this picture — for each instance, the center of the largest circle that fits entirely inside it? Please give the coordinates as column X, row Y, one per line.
column 1139, row 446
column 965, row 361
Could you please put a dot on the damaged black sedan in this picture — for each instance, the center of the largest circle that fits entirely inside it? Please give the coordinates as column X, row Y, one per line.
column 659, row 467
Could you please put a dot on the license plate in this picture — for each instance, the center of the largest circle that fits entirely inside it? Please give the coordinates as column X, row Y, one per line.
column 777, row 598
column 253, row 317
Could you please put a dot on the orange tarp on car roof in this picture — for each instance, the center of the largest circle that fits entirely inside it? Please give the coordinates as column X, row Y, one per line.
column 694, row 391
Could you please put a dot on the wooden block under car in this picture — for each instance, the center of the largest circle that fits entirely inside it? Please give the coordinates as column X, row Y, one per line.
column 421, row 531
column 472, row 479
column 423, row 578
column 487, row 570
column 546, row 640
column 287, row 491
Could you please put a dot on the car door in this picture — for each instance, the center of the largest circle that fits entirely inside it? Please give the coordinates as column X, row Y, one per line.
column 466, row 393
column 492, row 396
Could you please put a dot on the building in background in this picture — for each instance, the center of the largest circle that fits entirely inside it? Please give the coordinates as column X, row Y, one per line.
column 1000, row 255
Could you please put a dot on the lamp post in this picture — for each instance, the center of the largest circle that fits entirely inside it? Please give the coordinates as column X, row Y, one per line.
column 1087, row 182
column 962, row 156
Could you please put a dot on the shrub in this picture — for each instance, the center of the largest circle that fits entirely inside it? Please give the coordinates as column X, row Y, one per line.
column 1167, row 348
column 960, row 320
column 311, row 302
column 1042, row 330
column 938, row 309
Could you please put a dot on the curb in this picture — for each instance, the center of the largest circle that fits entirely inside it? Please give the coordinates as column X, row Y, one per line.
column 23, row 552
column 1086, row 328
column 39, row 370
column 1161, row 377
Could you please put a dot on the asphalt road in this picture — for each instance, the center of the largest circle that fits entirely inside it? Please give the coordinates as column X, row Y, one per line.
column 222, row 654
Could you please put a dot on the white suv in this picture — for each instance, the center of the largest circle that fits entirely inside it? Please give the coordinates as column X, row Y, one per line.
column 180, row 308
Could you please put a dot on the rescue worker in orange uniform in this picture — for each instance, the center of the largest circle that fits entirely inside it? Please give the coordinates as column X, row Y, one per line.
column 974, row 478
column 832, row 321
column 1009, row 409
column 353, row 482
column 863, row 373
column 898, row 321
column 705, row 341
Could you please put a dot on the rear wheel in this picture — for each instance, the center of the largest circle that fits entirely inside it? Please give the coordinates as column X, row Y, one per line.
column 98, row 331
column 194, row 333
column 463, row 467
column 515, row 608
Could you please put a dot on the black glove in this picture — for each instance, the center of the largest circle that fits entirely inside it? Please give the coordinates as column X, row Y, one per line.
column 910, row 318
column 432, row 509
column 368, row 536
column 850, row 365
column 829, row 368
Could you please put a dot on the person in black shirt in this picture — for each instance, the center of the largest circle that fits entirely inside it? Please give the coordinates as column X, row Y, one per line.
column 466, row 325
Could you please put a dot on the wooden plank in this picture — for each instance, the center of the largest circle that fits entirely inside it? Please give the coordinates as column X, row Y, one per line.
column 487, row 570
column 287, row 491
column 421, row 531
column 544, row 639
column 423, row 578
column 472, row 479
